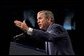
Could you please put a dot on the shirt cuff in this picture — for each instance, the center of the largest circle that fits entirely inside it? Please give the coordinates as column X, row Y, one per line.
column 29, row 31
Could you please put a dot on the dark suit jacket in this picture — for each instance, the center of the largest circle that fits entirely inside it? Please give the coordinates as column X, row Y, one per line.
column 56, row 40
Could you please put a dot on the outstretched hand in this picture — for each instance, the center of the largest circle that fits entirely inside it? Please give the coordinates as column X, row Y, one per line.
column 21, row 25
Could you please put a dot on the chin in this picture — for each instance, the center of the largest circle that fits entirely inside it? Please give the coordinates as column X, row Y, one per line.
column 40, row 27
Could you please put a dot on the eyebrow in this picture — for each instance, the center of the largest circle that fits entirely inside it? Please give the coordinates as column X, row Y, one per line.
column 39, row 18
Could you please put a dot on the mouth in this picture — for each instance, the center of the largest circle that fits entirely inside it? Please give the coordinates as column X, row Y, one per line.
column 39, row 25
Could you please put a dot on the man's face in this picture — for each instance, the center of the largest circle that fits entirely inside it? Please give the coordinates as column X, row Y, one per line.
column 42, row 21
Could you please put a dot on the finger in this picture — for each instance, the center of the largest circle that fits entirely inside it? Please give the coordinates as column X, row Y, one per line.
column 16, row 21
column 24, row 21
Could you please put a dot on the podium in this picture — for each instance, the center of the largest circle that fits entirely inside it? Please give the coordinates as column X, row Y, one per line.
column 19, row 49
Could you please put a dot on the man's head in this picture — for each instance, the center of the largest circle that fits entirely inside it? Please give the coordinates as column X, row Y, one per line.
column 44, row 19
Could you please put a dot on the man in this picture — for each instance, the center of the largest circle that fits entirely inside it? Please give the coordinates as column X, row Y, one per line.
column 57, row 41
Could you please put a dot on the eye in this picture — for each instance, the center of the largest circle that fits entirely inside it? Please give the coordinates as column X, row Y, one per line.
column 39, row 18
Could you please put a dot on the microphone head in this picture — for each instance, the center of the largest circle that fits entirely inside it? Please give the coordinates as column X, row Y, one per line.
column 18, row 36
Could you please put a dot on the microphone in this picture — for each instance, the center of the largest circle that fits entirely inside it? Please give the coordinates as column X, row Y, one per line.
column 19, row 35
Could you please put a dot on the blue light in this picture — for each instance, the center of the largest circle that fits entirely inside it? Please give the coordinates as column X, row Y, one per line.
column 29, row 15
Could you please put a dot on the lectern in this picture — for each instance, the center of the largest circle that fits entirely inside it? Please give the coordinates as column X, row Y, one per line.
column 20, row 49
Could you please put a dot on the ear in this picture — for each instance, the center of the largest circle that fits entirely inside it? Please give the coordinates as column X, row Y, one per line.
column 49, row 19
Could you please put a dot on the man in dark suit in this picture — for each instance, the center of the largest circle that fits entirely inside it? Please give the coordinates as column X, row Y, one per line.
column 57, row 41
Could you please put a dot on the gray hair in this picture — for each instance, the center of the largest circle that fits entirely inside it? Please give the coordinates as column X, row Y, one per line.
column 48, row 14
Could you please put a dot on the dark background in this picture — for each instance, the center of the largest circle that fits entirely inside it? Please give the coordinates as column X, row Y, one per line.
column 12, row 10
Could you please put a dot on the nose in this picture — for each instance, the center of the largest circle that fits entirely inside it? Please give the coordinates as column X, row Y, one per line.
column 38, row 21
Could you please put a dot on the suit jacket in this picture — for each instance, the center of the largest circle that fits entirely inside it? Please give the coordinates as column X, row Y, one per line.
column 57, row 40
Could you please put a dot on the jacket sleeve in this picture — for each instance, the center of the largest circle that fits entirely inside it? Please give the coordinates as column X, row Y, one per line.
column 54, row 34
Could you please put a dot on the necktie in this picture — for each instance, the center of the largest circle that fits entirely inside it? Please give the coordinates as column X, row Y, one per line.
column 48, row 47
